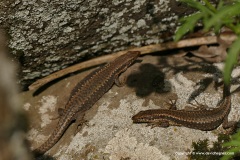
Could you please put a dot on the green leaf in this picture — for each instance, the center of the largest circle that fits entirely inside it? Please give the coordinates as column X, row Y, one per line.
column 209, row 5
column 236, row 28
column 199, row 6
column 237, row 135
column 232, row 143
column 228, row 156
column 220, row 4
column 189, row 24
column 231, row 59
column 224, row 15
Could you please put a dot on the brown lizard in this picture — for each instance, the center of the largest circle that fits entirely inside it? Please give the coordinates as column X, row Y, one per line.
column 201, row 119
column 86, row 93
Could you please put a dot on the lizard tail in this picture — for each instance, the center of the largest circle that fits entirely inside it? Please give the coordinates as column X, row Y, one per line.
column 62, row 126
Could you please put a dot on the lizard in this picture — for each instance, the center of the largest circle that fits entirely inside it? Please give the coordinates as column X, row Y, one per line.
column 203, row 119
column 86, row 93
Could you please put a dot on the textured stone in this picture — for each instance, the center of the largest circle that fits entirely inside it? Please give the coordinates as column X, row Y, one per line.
column 46, row 36
column 110, row 133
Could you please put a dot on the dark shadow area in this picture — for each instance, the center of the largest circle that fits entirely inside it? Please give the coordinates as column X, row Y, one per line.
column 192, row 65
column 43, row 157
column 149, row 79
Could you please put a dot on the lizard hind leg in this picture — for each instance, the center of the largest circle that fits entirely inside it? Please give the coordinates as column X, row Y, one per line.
column 199, row 106
column 119, row 82
column 60, row 113
column 79, row 121
column 230, row 127
column 172, row 104
column 196, row 106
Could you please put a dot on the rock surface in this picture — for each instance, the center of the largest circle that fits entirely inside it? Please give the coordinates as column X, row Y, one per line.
column 110, row 133
column 46, row 36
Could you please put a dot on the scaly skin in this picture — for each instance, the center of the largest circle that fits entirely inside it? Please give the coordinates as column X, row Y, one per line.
column 86, row 93
column 202, row 119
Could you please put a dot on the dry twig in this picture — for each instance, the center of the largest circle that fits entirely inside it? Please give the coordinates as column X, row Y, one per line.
column 144, row 50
